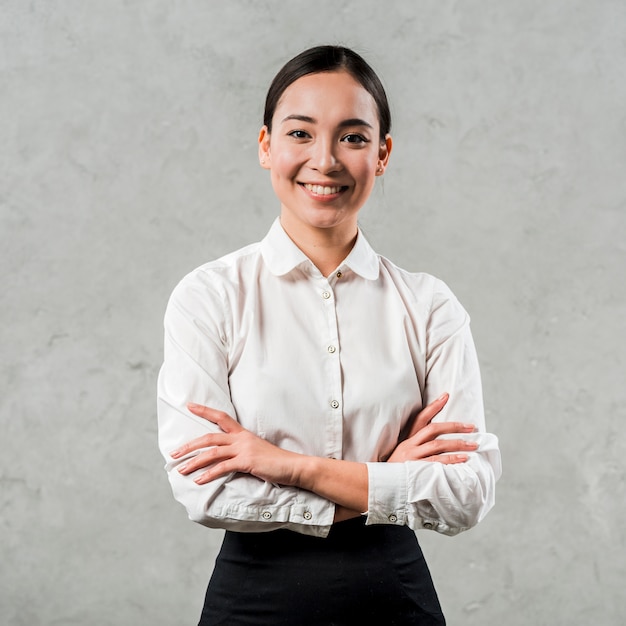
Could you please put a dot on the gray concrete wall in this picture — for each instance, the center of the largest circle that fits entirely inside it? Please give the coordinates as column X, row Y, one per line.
column 128, row 156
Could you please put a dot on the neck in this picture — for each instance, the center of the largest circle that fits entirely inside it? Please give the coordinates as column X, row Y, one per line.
column 326, row 247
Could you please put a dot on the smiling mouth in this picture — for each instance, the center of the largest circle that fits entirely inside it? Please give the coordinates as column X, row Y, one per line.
column 323, row 190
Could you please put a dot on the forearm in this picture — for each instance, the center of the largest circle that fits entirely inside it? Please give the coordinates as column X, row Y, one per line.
column 242, row 502
column 448, row 498
column 343, row 482
column 234, row 479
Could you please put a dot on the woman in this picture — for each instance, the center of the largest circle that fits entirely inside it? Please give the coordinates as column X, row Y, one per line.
column 316, row 368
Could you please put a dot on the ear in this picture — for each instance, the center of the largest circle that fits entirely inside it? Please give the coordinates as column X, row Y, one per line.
column 383, row 155
column 264, row 148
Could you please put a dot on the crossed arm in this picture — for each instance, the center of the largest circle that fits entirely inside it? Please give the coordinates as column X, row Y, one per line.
column 441, row 475
column 345, row 483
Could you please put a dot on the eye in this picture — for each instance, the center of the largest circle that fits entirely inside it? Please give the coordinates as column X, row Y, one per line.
column 298, row 134
column 354, row 138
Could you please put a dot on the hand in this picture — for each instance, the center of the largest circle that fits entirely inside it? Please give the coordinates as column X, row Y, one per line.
column 236, row 449
column 422, row 441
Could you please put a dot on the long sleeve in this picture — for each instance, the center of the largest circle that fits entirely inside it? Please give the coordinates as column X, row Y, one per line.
column 421, row 494
column 196, row 369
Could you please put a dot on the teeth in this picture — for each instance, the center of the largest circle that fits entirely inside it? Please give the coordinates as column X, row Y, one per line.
column 320, row 190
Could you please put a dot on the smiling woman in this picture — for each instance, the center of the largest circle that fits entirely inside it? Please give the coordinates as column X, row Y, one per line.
column 311, row 393
column 324, row 154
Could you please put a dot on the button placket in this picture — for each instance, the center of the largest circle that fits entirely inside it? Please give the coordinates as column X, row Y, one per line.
column 332, row 368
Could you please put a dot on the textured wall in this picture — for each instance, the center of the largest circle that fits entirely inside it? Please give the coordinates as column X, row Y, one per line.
column 128, row 156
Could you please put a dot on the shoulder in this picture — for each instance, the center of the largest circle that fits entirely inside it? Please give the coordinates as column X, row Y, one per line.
column 428, row 296
column 208, row 289
column 216, row 275
column 421, row 286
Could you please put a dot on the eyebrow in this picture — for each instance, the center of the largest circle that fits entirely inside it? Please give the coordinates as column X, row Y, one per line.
column 353, row 121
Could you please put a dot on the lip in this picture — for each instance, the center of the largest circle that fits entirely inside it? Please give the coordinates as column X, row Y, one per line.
column 313, row 191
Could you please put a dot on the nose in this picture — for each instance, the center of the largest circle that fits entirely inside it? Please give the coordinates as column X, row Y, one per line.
column 324, row 156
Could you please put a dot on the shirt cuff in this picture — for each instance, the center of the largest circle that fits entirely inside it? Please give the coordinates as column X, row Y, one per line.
column 387, row 483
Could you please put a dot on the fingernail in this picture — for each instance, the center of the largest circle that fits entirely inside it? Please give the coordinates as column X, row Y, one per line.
column 183, row 468
column 470, row 426
column 462, row 457
column 193, row 405
column 442, row 396
column 175, row 454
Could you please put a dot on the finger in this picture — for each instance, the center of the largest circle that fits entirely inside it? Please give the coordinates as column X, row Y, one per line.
column 448, row 459
column 426, row 415
column 219, row 418
column 206, row 441
column 444, row 446
column 432, row 431
column 204, row 459
column 217, row 471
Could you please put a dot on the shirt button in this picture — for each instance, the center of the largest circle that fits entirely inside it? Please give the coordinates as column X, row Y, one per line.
column 331, row 349
column 393, row 518
column 334, row 404
column 307, row 515
column 325, row 295
column 266, row 515
column 339, row 274
column 428, row 525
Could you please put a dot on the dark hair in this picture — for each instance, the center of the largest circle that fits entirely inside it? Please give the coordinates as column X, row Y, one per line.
column 329, row 59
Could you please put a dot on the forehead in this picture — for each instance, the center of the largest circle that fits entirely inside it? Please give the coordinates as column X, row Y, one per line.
column 327, row 95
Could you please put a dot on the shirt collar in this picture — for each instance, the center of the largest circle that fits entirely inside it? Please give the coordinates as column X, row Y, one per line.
column 282, row 255
column 362, row 259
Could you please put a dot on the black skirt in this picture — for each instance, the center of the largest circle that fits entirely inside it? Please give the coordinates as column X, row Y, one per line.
column 358, row 575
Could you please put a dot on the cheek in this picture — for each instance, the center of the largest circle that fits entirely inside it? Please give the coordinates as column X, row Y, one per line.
column 286, row 160
column 365, row 173
column 361, row 163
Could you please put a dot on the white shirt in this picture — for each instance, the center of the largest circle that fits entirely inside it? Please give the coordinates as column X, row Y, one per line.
column 331, row 367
